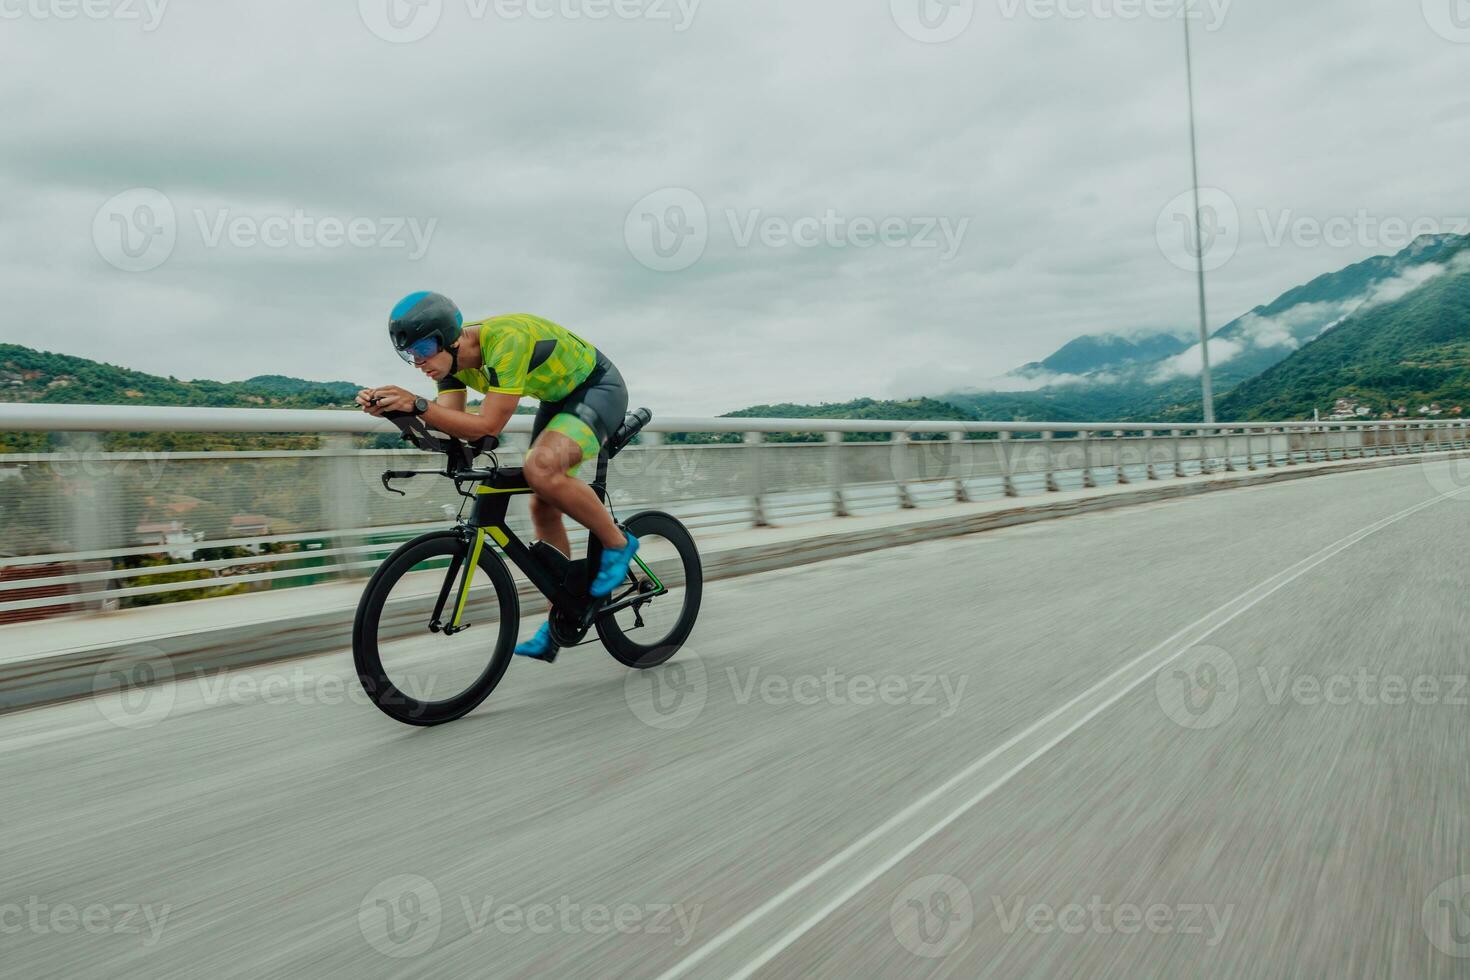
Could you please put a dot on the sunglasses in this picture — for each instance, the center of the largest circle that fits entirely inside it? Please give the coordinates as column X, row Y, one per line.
column 420, row 350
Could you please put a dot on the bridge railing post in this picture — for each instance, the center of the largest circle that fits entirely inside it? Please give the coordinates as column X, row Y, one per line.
column 344, row 507
column 901, row 469
column 1088, row 480
column 1005, row 449
column 756, row 443
column 835, row 473
column 1177, row 437
column 1118, row 464
column 1051, row 475
column 961, row 489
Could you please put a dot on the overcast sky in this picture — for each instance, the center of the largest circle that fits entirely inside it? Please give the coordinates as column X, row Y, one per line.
column 741, row 201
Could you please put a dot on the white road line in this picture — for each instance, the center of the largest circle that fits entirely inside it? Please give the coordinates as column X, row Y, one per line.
column 1224, row 614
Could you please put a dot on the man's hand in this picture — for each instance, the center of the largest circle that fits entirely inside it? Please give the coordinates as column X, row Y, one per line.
column 389, row 398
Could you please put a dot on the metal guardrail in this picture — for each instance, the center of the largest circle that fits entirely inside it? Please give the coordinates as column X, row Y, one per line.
column 88, row 529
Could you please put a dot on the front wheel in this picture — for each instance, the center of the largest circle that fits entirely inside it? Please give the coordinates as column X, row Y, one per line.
column 665, row 584
column 411, row 667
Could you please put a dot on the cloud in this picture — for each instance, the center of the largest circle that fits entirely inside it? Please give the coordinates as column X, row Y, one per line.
column 1191, row 364
column 1305, row 321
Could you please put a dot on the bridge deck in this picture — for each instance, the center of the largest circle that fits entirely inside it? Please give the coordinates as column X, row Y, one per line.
column 1114, row 745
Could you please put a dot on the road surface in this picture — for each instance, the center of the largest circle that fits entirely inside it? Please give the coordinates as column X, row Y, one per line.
column 1223, row 736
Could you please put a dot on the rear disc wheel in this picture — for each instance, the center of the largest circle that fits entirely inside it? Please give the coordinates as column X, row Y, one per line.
column 668, row 577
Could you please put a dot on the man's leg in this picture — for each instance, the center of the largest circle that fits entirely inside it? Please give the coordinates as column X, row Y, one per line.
column 546, row 469
column 550, row 525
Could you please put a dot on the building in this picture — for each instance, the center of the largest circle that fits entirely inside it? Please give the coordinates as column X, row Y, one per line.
column 172, row 537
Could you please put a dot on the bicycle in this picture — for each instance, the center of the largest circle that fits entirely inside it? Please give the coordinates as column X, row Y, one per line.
column 403, row 651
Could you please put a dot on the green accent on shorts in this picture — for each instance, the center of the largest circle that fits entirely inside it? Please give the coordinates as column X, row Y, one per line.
column 579, row 432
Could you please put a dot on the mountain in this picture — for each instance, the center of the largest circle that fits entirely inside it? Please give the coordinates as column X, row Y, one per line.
column 1088, row 355
column 1166, row 387
column 910, row 410
column 28, row 375
column 283, row 386
column 1409, row 351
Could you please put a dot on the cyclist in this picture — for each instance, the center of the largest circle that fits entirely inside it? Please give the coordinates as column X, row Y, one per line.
column 505, row 358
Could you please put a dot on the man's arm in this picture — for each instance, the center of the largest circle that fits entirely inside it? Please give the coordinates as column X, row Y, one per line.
column 495, row 412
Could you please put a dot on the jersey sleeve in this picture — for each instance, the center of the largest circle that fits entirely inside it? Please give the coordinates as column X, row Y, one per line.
column 451, row 383
column 507, row 360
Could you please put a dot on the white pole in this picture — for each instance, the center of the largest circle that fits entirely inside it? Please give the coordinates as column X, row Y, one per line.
column 1206, row 381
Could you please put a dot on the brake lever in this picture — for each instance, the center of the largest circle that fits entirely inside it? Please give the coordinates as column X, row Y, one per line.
column 396, row 475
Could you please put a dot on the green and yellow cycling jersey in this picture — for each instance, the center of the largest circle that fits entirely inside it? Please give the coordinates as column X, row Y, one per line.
column 526, row 356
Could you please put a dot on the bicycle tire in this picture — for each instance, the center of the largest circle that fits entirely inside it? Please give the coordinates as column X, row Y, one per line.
column 367, row 656
column 644, row 656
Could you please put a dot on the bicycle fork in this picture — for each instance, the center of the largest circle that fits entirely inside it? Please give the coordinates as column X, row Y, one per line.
column 462, row 593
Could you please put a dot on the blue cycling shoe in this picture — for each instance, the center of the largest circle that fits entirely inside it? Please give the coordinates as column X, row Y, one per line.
column 614, row 568
column 540, row 647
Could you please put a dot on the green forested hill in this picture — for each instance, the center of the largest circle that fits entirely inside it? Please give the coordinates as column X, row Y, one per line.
column 1410, row 352
column 28, row 375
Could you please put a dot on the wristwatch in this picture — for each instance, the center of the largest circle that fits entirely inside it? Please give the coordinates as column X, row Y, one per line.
column 420, row 406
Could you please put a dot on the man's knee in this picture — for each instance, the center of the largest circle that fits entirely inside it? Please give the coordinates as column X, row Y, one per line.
column 540, row 468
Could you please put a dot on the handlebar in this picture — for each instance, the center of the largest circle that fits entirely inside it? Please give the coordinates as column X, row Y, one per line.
column 460, row 454
column 414, row 430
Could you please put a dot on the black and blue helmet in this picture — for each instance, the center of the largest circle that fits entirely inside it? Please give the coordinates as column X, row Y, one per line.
column 423, row 324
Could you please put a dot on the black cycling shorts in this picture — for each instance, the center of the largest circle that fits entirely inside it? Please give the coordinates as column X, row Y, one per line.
column 591, row 413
